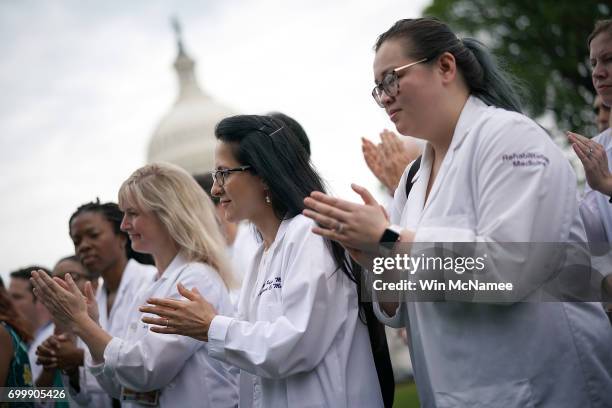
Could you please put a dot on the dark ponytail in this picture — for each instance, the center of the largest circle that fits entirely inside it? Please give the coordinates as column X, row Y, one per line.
column 429, row 38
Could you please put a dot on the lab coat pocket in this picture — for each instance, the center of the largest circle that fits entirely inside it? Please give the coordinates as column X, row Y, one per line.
column 516, row 394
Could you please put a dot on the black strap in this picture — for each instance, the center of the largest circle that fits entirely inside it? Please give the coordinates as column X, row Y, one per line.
column 380, row 352
column 411, row 173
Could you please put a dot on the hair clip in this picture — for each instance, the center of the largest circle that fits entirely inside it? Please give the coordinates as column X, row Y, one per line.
column 277, row 130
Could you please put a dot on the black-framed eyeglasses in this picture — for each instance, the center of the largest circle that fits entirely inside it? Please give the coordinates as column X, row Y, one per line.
column 219, row 176
column 390, row 83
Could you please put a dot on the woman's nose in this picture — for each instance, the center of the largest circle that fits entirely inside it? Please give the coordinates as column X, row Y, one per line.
column 216, row 190
column 124, row 224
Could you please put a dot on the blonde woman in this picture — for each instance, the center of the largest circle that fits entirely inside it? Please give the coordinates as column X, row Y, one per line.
column 167, row 215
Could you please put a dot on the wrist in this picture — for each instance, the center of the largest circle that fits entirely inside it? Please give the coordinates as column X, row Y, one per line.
column 606, row 188
column 80, row 322
column 389, row 236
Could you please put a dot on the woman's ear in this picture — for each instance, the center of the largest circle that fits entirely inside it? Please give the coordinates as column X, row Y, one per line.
column 123, row 240
column 447, row 67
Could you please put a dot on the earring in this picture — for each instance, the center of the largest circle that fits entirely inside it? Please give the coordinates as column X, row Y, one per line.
column 268, row 201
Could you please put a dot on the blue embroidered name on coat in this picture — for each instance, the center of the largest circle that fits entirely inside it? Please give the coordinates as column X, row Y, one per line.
column 270, row 284
column 527, row 159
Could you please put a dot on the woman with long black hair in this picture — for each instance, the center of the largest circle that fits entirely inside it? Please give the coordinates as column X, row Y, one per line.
column 298, row 329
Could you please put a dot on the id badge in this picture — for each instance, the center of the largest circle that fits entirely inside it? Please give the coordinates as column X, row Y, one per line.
column 150, row 398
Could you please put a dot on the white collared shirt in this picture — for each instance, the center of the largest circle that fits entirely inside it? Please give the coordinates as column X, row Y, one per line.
column 178, row 366
column 241, row 252
column 502, row 180
column 298, row 332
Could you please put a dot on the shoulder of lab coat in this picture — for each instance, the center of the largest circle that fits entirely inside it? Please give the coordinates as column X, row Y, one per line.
column 298, row 339
column 514, row 203
column 154, row 360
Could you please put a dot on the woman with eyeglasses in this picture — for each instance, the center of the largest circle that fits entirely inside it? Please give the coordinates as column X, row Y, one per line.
column 489, row 175
column 299, row 337
column 167, row 215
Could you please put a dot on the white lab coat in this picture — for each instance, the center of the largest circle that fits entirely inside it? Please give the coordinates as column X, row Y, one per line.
column 522, row 354
column 297, row 329
column 241, row 252
column 134, row 277
column 178, row 366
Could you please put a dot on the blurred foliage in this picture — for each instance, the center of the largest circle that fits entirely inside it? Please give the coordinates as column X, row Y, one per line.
column 543, row 43
column 406, row 396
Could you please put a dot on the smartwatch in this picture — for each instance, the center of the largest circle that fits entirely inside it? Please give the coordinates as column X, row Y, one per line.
column 389, row 238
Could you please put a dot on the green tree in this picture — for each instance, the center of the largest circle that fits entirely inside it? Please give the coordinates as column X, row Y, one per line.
column 543, row 43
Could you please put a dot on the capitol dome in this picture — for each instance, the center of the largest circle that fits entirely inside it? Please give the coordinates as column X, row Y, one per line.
column 185, row 135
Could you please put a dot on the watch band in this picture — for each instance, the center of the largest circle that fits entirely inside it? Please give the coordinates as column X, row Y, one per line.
column 389, row 238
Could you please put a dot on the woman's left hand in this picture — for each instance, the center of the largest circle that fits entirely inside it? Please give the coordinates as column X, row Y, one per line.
column 63, row 299
column 595, row 161
column 191, row 317
column 357, row 226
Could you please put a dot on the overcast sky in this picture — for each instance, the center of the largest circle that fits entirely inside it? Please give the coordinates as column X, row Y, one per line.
column 85, row 83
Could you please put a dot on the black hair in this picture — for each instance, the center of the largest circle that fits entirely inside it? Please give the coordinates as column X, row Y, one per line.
column 275, row 155
column 205, row 180
column 72, row 258
column 111, row 212
column 429, row 38
column 295, row 127
column 26, row 274
column 76, row 259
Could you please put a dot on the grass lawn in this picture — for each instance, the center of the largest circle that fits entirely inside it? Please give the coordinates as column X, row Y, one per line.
column 406, row 396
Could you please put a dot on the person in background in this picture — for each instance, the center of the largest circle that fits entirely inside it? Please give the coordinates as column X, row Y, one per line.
column 35, row 312
column 64, row 351
column 167, row 215
column 15, row 370
column 388, row 159
column 596, row 157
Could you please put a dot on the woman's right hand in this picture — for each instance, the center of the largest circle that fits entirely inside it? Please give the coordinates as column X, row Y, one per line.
column 594, row 158
column 63, row 299
column 190, row 317
column 46, row 353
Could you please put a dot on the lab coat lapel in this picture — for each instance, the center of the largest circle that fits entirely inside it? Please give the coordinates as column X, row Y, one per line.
column 470, row 113
column 245, row 303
